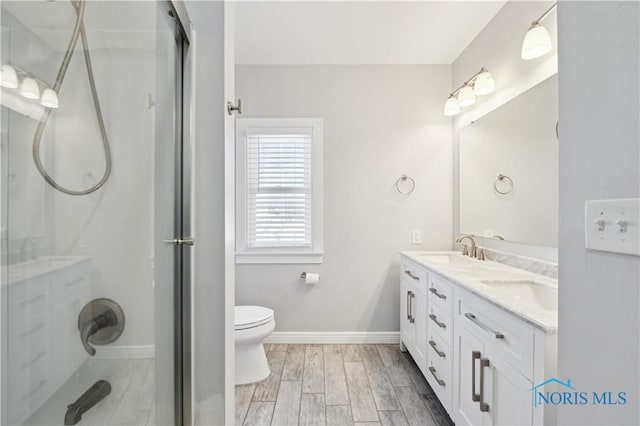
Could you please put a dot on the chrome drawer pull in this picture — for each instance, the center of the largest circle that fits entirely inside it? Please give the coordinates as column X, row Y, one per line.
column 34, row 360
column 32, row 330
column 484, row 407
column 439, row 380
column 435, row 348
column 30, row 301
column 486, row 328
column 76, row 281
column 39, row 386
column 415, row 277
column 412, row 295
column 435, row 319
column 408, row 306
column 474, row 356
column 434, row 291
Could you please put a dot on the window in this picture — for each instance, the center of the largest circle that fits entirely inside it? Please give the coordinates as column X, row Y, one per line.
column 279, row 190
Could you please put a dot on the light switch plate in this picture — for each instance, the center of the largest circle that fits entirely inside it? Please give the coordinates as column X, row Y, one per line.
column 416, row 236
column 613, row 225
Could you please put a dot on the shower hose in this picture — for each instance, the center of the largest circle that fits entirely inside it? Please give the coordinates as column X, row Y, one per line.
column 78, row 31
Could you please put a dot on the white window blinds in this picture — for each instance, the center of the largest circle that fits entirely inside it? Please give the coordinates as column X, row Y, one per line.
column 279, row 190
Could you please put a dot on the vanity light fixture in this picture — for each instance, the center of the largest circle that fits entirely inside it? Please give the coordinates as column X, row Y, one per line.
column 9, row 77
column 29, row 88
column 537, row 41
column 481, row 83
column 49, row 98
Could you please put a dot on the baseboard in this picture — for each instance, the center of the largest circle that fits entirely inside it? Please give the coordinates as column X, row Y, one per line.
column 125, row 352
column 335, row 337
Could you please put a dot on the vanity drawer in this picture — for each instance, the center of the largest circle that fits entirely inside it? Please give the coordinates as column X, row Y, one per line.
column 440, row 293
column 439, row 376
column 439, row 323
column 509, row 336
column 437, row 348
column 413, row 273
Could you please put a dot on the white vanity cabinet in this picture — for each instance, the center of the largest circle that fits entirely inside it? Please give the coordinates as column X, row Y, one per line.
column 493, row 365
column 480, row 359
column 413, row 311
column 43, row 343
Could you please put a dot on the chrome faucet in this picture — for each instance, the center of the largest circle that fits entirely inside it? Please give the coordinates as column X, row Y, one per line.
column 28, row 255
column 465, row 251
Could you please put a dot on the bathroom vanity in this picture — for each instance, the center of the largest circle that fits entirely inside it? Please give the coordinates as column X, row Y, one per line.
column 482, row 333
column 46, row 296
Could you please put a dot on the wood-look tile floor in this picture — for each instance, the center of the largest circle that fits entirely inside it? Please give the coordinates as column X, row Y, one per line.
column 339, row 385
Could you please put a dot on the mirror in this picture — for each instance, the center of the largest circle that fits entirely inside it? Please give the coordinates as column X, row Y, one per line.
column 509, row 170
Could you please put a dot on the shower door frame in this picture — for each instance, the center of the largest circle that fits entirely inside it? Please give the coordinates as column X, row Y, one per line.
column 183, row 410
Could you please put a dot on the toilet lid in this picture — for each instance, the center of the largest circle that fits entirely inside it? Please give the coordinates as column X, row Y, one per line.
column 251, row 316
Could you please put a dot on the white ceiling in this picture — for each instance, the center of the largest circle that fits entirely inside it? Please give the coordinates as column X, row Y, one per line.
column 358, row 32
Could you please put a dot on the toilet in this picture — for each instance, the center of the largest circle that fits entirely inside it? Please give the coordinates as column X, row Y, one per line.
column 253, row 324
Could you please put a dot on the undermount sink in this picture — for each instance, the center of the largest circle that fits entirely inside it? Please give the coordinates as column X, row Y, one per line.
column 544, row 296
column 446, row 258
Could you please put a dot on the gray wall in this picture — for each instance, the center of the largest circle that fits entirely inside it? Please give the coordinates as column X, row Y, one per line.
column 379, row 122
column 599, row 158
column 497, row 47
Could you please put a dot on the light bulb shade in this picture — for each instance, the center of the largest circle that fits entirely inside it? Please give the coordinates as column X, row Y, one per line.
column 30, row 89
column 451, row 107
column 484, row 84
column 49, row 98
column 466, row 96
column 9, row 77
column 536, row 42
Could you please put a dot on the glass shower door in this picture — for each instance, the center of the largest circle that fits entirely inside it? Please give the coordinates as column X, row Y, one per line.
column 91, row 182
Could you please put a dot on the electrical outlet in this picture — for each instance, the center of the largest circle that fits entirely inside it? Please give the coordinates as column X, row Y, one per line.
column 416, row 236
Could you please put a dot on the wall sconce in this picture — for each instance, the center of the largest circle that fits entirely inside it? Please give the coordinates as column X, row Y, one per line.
column 481, row 83
column 29, row 87
column 537, row 41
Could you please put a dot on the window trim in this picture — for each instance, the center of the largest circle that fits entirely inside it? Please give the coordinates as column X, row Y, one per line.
column 275, row 255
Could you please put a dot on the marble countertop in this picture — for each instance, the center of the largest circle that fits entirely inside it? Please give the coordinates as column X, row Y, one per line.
column 40, row 266
column 538, row 308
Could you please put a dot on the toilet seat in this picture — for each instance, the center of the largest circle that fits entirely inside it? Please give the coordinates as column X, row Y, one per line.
column 251, row 316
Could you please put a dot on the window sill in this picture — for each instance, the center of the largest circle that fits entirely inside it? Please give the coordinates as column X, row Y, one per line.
column 278, row 258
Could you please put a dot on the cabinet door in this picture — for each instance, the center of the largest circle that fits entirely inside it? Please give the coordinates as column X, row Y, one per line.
column 506, row 392
column 407, row 328
column 419, row 312
column 466, row 374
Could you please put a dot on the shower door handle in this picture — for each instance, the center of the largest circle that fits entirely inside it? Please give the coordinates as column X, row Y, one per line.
column 188, row 241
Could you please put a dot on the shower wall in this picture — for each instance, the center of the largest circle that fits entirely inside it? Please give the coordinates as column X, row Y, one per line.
column 112, row 226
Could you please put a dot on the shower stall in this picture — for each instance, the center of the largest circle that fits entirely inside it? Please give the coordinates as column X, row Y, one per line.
column 95, row 200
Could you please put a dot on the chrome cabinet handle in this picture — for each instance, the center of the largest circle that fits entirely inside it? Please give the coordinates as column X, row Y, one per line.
column 435, row 319
column 415, row 277
column 484, row 362
column 408, row 306
column 434, row 291
column 435, row 348
column 188, row 241
column 439, row 380
column 412, row 295
column 486, row 328
column 474, row 356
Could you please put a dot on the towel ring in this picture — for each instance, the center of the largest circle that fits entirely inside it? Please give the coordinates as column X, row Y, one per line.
column 500, row 179
column 405, row 178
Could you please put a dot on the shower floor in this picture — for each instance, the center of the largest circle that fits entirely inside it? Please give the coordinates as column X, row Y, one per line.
column 131, row 401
